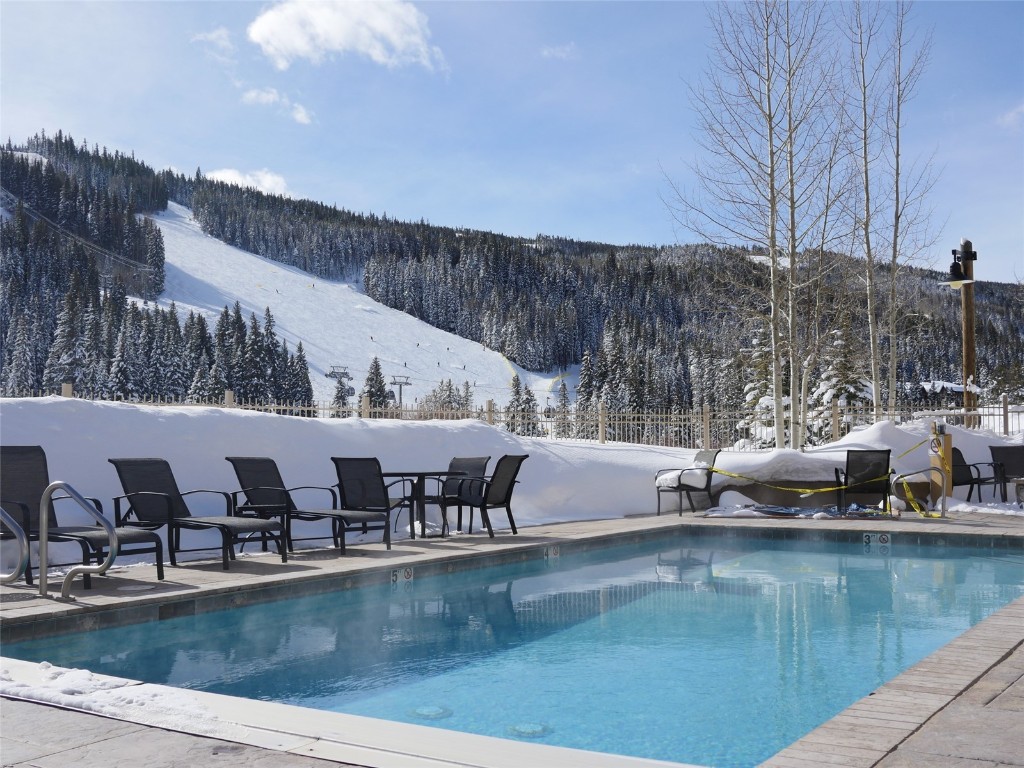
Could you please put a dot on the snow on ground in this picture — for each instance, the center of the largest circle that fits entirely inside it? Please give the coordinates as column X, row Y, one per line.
column 336, row 323
column 561, row 481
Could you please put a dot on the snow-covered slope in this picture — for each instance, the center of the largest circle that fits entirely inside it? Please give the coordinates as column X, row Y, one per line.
column 336, row 323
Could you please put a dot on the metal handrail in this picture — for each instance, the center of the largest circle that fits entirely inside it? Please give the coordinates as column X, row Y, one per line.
column 20, row 535
column 44, row 519
column 941, row 472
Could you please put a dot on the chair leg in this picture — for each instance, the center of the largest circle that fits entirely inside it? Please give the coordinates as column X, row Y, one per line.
column 511, row 522
column 173, row 545
column 487, row 521
column 689, row 498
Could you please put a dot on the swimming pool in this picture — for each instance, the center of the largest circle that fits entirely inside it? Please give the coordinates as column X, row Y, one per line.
column 711, row 651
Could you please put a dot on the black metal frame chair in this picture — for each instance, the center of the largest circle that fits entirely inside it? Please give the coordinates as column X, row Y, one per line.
column 154, row 500
column 266, row 496
column 702, row 472
column 971, row 475
column 447, row 494
column 867, row 472
column 24, row 477
column 1008, row 461
column 361, row 488
column 493, row 492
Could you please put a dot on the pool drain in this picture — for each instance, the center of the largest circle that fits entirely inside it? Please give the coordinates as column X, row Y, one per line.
column 432, row 713
column 529, row 730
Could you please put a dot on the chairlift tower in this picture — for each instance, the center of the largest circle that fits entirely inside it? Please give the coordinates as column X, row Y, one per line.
column 400, row 381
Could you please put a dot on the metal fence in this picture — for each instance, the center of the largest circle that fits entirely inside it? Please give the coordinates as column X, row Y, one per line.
column 728, row 430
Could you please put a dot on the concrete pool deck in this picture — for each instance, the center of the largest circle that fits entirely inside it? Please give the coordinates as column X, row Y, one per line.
column 961, row 706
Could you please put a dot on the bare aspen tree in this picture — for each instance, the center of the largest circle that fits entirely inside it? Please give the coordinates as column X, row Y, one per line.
column 883, row 73
column 766, row 117
column 909, row 187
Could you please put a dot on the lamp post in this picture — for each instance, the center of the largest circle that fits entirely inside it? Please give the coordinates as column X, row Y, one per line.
column 961, row 277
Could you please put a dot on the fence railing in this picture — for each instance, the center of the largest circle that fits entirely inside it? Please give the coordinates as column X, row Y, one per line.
column 729, row 430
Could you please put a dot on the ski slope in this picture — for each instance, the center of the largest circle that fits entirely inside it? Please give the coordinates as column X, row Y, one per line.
column 336, row 323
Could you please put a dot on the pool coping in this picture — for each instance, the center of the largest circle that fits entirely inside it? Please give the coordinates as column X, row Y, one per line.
column 863, row 734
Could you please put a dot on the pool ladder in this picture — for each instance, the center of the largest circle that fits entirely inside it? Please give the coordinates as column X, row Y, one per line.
column 19, row 533
column 78, row 570
column 942, row 474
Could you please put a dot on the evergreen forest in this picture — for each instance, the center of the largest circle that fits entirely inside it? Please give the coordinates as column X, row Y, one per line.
column 670, row 327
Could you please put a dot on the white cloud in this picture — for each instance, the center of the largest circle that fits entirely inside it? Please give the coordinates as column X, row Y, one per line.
column 218, row 44
column 565, row 52
column 264, row 180
column 1012, row 120
column 389, row 32
column 261, row 96
column 270, row 96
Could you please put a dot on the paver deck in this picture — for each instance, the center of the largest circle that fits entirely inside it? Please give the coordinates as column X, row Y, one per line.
column 961, row 706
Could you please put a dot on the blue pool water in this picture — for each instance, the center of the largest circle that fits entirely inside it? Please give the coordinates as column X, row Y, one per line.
column 714, row 652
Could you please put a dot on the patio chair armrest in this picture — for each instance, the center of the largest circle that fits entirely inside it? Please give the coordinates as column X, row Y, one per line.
column 95, row 502
column 334, row 494
column 120, row 519
column 23, row 511
column 225, row 494
column 401, row 480
column 467, row 485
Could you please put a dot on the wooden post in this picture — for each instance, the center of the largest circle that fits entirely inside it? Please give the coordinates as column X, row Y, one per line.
column 364, row 407
column 229, row 398
column 1005, row 402
column 67, row 390
column 706, row 426
column 940, row 454
column 602, row 421
column 835, row 421
column 490, row 412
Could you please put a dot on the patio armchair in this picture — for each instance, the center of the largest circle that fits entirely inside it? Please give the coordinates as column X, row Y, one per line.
column 361, row 488
column 1009, row 464
column 484, row 494
column 972, row 475
column 446, row 493
column 24, row 477
column 265, row 495
column 867, row 473
column 153, row 500
column 695, row 478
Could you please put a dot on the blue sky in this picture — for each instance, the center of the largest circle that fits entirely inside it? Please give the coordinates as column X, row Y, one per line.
column 563, row 118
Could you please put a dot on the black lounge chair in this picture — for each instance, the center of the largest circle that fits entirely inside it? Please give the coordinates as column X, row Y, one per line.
column 493, row 492
column 692, row 479
column 1008, row 463
column 154, row 501
column 972, row 475
column 266, row 496
column 361, row 488
column 447, row 494
column 24, row 478
column 867, row 473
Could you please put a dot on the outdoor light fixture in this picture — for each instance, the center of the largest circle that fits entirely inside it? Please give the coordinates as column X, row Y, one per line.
column 961, row 276
column 957, row 276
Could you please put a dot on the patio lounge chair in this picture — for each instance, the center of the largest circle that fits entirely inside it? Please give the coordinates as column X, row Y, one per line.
column 1009, row 464
column 972, row 475
column 493, row 492
column 447, row 492
column 24, row 478
column 361, row 488
column 867, row 473
column 266, row 496
column 696, row 477
column 154, row 500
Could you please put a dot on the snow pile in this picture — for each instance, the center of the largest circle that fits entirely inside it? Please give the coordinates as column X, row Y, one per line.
column 561, row 481
column 115, row 697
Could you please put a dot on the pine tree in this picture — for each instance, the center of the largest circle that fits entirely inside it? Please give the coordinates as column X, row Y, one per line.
column 563, row 414
column 374, row 387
